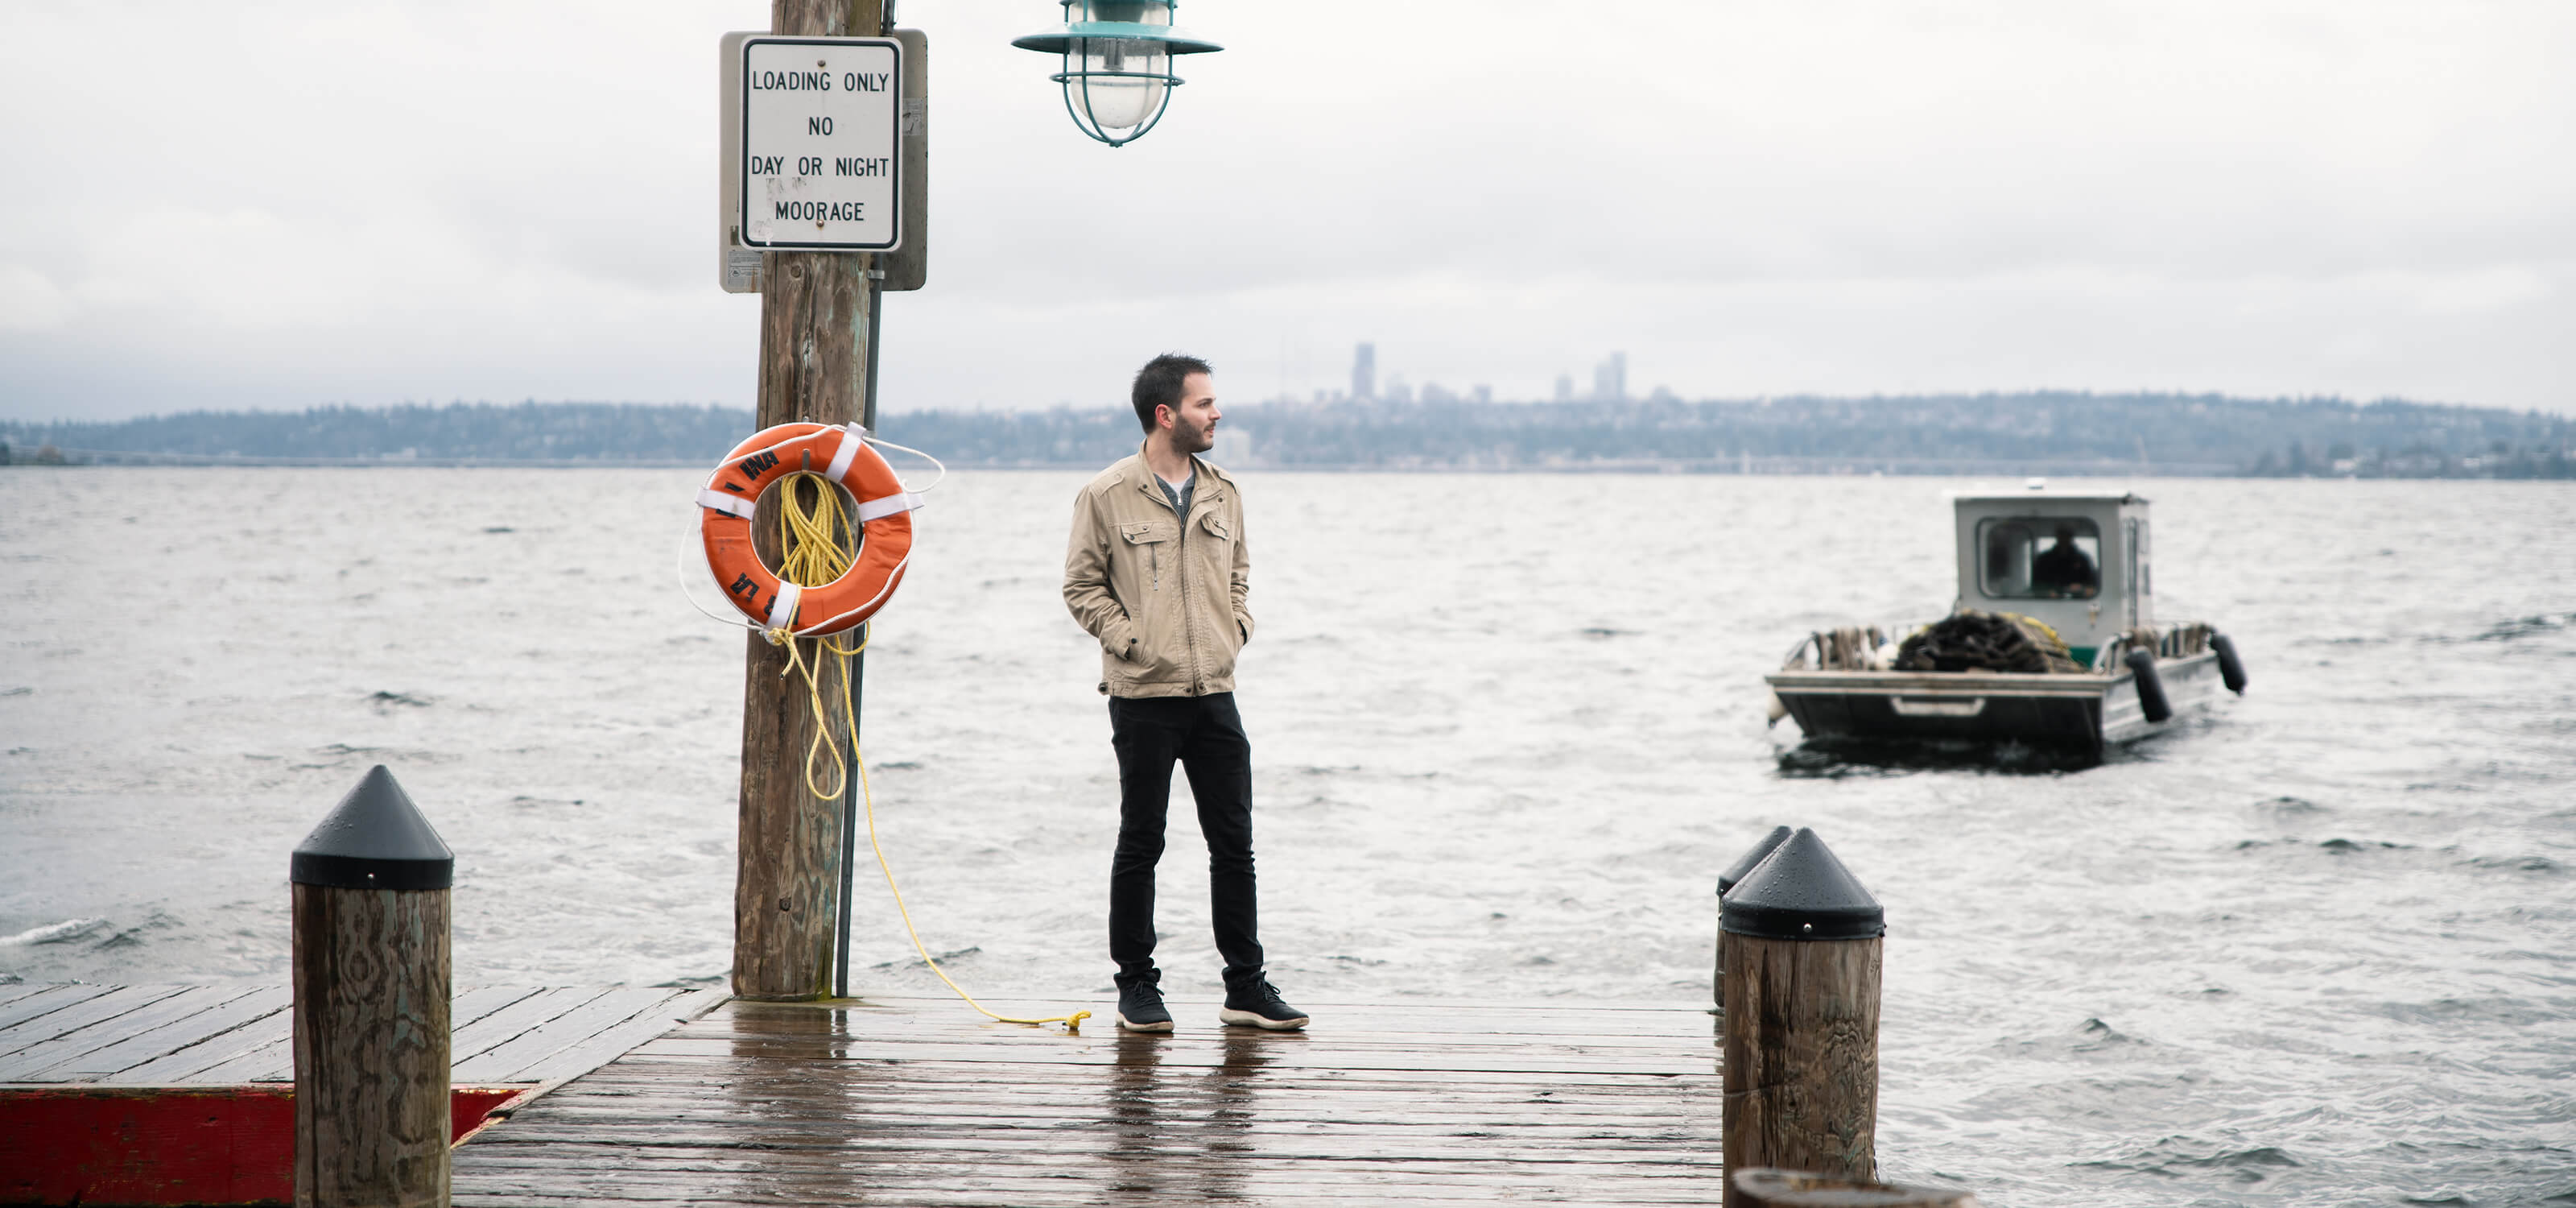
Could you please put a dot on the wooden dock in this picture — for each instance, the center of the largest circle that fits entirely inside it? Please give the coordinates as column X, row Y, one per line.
column 227, row 1034
column 920, row 1101
column 624, row 1097
column 183, row 1094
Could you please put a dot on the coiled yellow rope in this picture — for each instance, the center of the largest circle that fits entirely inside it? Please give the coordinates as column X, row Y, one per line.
column 816, row 549
column 2042, row 626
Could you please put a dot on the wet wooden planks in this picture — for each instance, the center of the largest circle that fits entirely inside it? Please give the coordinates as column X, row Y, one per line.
column 232, row 1033
column 919, row 1101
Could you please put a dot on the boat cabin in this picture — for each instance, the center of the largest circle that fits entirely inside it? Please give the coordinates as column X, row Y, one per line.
column 2075, row 560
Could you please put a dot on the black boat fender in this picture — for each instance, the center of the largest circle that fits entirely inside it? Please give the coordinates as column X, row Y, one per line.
column 2231, row 669
column 2151, row 687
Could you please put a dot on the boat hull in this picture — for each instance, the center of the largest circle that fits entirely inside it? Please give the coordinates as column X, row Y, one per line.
column 2090, row 711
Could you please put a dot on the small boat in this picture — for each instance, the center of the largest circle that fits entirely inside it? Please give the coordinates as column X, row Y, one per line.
column 2053, row 639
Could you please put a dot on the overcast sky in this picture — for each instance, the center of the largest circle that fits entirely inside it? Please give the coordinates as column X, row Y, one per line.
column 288, row 203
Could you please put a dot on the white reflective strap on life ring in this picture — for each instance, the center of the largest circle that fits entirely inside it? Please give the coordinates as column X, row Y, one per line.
column 877, row 509
column 719, row 501
column 852, row 438
column 782, row 611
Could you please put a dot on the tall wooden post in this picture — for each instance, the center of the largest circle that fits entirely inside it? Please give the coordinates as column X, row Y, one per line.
column 372, row 1124
column 813, row 363
column 1800, row 942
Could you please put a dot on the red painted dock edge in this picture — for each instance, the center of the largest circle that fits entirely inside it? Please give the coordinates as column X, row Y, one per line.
column 100, row 1146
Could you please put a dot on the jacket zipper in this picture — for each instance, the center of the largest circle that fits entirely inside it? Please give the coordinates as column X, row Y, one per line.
column 1189, row 615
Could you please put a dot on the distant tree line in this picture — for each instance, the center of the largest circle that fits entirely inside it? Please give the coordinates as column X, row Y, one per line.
column 2054, row 432
column 2417, row 458
column 529, row 431
column 2061, row 431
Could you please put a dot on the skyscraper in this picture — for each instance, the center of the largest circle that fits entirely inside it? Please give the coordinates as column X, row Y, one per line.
column 1364, row 372
column 1610, row 379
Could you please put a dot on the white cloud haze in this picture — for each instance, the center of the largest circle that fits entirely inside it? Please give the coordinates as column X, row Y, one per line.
column 288, row 203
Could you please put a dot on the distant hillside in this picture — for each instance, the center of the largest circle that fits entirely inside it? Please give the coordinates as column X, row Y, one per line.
column 606, row 432
column 2037, row 432
column 2052, row 432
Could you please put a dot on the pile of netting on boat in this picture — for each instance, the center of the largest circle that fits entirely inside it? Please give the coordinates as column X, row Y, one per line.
column 1967, row 640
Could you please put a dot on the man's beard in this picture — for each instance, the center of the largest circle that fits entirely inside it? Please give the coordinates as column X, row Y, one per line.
column 1194, row 440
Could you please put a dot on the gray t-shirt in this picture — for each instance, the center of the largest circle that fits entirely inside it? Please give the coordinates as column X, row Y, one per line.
column 1180, row 496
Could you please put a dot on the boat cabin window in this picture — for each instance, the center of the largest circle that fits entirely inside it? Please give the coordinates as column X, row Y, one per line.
column 2041, row 558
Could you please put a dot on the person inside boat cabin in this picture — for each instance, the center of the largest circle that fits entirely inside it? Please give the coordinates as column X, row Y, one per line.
column 2064, row 567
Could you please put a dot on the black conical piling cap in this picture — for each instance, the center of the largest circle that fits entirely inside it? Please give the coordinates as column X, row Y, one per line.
column 1752, row 856
column 374, row 839
column 1801, row 892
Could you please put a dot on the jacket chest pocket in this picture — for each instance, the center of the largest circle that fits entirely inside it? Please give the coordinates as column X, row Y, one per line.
column 1150, row 537
column 1212, row 547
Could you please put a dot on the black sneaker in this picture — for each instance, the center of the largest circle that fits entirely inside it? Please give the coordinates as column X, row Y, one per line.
column 1140, row 1005
column 1255, row 1003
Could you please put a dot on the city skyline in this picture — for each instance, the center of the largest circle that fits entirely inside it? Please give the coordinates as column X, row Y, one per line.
column 1609, row 385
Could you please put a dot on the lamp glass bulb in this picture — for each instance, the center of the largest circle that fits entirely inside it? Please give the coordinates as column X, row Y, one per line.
column 1117, row 101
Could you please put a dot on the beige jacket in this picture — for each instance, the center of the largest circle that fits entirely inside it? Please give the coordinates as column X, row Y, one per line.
column 1163, row 593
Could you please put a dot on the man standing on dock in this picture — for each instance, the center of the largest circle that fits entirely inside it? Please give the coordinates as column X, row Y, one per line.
column 1157, row 570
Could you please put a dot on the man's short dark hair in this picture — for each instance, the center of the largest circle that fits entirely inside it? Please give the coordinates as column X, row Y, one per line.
column 1158, row 384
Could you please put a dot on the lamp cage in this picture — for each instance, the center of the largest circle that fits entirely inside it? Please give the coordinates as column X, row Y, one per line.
column 1116, row 64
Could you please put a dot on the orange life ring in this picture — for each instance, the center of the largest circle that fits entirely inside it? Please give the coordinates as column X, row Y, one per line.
column 884, row 519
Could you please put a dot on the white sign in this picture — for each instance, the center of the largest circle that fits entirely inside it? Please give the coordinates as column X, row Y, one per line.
column 813, row 141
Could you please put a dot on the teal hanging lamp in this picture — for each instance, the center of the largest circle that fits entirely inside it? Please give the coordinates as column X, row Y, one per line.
column 1117, row 64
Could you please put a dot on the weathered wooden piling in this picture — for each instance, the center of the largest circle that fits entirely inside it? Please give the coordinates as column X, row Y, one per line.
column 1769, row 1188
column 815, row 312
column 371, row 967
column 1752, row 857
column 1799, row 945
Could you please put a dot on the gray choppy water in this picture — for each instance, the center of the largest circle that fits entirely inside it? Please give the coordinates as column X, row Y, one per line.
column 2317, row 948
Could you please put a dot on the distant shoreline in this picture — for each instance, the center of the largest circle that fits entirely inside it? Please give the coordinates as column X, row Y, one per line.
column 1745, row 467
column 2057, row 433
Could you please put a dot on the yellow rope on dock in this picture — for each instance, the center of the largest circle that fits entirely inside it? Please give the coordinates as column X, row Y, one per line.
column 816, row 550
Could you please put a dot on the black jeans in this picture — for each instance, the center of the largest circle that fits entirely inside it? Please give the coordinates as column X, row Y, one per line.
column 1206, row 735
